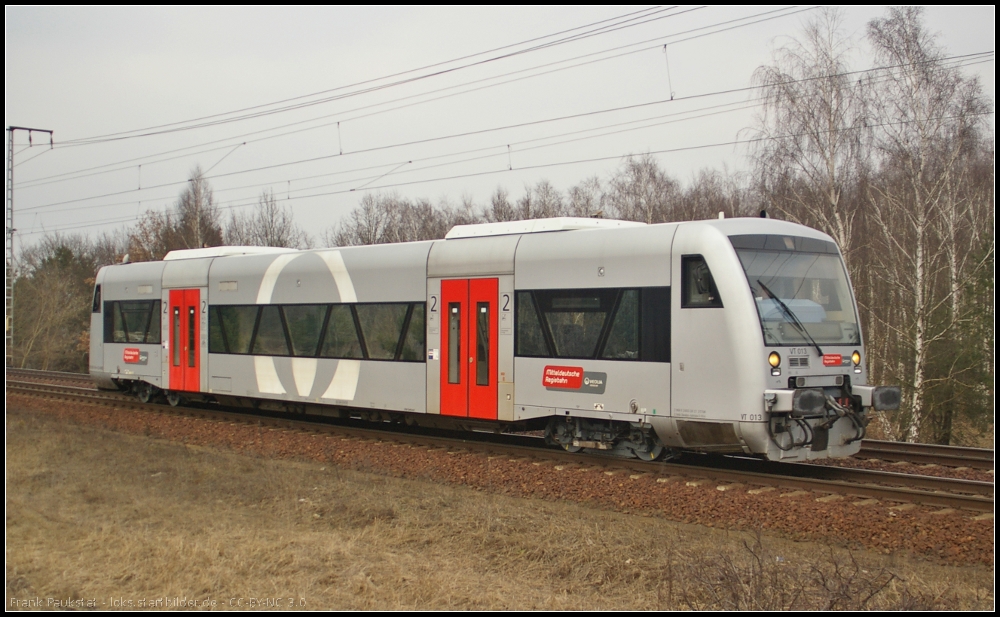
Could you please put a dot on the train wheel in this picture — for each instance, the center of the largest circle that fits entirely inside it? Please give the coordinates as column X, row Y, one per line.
column 649, row 455
column 174, row 399
column 144, row 392
column 571, row 448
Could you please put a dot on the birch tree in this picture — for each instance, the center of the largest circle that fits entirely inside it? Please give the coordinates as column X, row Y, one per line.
column 810, row 155
column 928, row 118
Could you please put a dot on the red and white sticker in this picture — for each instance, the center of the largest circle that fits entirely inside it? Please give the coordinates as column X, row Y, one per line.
column 833, row 359
column 131, row 355
column 567, row 377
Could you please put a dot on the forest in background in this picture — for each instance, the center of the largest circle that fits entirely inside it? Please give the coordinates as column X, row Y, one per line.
column 896, row 164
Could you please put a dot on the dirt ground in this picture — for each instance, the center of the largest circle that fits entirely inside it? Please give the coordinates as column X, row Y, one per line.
column 98, row 519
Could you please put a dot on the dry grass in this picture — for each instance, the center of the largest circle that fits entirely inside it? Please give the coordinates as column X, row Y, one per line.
column 94, row 515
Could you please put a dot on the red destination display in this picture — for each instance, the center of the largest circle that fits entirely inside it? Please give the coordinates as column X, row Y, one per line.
column 568, row 377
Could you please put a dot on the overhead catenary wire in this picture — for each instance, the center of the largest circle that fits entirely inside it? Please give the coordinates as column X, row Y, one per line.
column 46, row 179
column 585, row 114
column 503, row 170
column 602, row 30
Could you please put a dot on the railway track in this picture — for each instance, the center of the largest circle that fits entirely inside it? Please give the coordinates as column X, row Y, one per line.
column 927, row 454
column 892, row 451
column 725, row 472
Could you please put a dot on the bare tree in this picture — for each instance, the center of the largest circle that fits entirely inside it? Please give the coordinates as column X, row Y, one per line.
column 586, row 199
column 53, row 295
column 381, row 219
column 152, row 237
column 500, row 208
column 928, row 119
column 712, row 192
column 641, row 191
column 192, row 223
column 268, row 225
column 810, row 151
column 198, row 219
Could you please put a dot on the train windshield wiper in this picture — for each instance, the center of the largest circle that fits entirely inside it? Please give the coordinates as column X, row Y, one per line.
column 791, row 315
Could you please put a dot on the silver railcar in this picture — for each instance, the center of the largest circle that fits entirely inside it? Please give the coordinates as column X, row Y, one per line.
column 737, row 335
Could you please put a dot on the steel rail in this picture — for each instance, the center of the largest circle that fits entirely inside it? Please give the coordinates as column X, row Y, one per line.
column 927, row 454
column 917, row 453
column 474, row 442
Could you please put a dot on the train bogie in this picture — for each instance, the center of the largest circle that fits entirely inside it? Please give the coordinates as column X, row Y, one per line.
column 634, row 339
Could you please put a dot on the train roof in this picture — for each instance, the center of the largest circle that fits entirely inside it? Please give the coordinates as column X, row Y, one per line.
column 493, row 232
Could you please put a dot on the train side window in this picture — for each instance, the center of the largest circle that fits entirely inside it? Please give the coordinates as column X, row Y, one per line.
column 381, row 326
column 135, row 318
column 134, row 321
column 216, row 339
column 414, row 347
column 270, row 339
column 113, row 317
column 655, row 324
column 341, row 340
column 698, row 288
column 109, row 322
column 97, row 300
column 530, row 339
column 575, row 318
column 153, row 329
column 305, row 321
column 234, row 328
column 623, row 338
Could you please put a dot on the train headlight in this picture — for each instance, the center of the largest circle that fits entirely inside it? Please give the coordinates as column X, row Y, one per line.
column 775, row 361
column 856, row 358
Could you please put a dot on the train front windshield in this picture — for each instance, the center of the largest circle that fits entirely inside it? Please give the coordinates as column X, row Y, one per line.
column 799, row 284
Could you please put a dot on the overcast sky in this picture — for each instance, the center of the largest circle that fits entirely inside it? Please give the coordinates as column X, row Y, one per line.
column 138, row 97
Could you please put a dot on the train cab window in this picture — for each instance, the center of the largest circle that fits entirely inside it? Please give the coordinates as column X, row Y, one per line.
column 698, row 288
column 341, row 338
column 97, row 300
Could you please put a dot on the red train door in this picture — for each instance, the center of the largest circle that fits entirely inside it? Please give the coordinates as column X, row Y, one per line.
column 184, row 337
column 469, row 348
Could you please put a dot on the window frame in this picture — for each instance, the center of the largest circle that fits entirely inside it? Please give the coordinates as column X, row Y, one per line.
column 686, row 284
column 653, row 343
column 215, row 325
